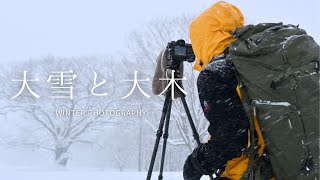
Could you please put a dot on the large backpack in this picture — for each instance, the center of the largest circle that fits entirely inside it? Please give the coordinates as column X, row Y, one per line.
column 277, row 68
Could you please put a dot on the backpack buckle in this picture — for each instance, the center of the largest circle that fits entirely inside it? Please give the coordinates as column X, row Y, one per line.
column 308, row 167
column 316, row 65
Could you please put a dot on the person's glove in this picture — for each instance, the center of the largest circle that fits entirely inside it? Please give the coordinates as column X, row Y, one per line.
column 193, row 169
column 189, row 171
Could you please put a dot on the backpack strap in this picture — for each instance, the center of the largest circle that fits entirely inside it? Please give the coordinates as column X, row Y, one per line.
column 256, row 155
column 252, row 151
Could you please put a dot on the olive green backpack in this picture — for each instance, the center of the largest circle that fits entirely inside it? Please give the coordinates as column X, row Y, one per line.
column 277, row 67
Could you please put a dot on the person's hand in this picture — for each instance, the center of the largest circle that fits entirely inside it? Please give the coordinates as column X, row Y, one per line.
column 189, row 171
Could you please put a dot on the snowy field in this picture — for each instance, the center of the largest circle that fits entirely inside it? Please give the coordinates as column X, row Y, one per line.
column 82, row 175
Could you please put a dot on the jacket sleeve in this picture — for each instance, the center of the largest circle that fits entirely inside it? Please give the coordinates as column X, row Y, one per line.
column 223, row 109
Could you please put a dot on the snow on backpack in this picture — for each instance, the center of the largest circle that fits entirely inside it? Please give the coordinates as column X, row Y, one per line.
column 277, row 67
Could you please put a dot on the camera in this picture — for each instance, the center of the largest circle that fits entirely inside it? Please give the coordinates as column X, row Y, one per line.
column 179, row 51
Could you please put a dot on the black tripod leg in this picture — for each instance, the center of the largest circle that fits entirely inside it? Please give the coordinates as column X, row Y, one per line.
column 159, row 134
column 193, row 127
column 165, row 138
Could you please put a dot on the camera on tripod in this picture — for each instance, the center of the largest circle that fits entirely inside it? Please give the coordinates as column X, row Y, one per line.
column 179, row 51
column 169, row 62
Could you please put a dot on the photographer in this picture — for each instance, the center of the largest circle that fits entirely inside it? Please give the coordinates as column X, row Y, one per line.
column 210, row 35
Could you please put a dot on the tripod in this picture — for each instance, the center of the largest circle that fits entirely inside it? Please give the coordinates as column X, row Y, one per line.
column 164, row 121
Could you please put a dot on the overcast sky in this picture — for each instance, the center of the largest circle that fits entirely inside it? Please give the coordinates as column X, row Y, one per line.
column 64, row 28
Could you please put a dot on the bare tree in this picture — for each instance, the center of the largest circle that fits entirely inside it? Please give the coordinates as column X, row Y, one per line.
column 59, row 133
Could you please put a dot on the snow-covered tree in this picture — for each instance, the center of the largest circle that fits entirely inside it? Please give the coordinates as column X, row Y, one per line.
column 46, row 129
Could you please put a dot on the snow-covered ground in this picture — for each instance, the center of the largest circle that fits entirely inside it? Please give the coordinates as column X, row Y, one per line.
column 72, row 175
column 82, row 175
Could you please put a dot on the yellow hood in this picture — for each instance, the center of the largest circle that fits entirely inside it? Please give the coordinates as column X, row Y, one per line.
column 210, row 33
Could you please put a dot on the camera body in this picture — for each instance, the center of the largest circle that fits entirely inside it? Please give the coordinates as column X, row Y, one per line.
column 179, row 51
